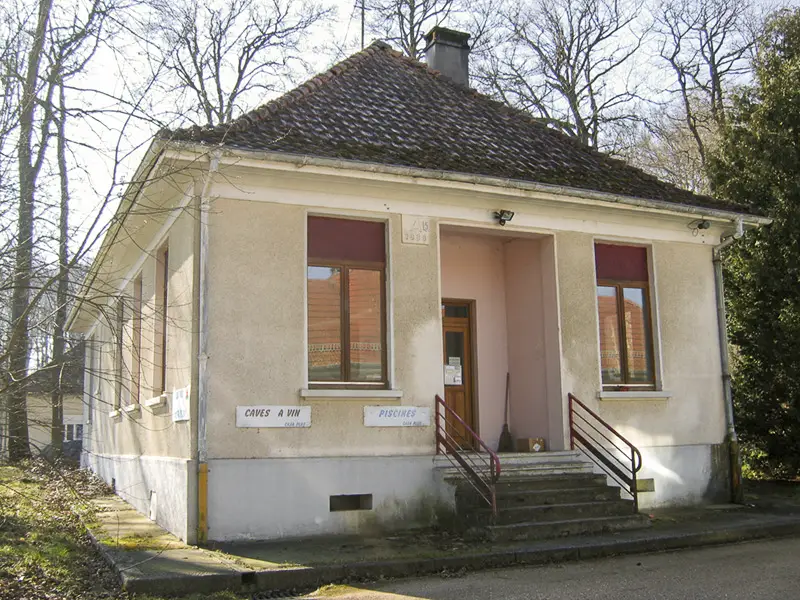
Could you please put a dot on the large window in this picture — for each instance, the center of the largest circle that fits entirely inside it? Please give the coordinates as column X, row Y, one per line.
column 623, row 302
column 136, row 349
column 346, row 302
column 161, row 314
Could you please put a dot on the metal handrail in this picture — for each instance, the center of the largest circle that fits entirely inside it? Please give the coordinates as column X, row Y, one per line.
column 622, row 471
column 481, row 470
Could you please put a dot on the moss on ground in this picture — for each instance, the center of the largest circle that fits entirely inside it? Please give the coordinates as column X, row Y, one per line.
column 45, row 550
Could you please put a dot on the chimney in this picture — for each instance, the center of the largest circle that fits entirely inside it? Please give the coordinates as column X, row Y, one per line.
column 447, row 51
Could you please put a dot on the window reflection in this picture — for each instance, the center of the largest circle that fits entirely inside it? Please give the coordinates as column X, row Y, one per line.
column 366, row 348
column 324, row 324
column 637, row 336
column 610, row 352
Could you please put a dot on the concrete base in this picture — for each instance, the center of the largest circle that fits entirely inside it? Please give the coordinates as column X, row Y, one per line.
column 685, row 475
column 157, row 485
column 262, row 499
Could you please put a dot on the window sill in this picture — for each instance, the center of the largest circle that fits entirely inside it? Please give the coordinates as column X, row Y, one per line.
column 132, row 408
column 156, row 402
column 634, row 395
column 115, row 414
column 341, row 393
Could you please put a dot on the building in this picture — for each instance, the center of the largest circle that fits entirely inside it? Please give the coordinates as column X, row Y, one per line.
column 40, row 386
column 290, row 293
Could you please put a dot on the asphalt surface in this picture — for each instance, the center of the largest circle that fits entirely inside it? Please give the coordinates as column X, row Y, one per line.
column 767, row 570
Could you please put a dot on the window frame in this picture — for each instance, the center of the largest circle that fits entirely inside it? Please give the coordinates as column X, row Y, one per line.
column 344, row 323
column 619, row 285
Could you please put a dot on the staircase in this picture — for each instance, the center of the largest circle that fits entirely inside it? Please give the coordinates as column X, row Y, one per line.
column 545, row 495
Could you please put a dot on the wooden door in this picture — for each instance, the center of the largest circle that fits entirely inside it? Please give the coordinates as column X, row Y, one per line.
column 458, row 392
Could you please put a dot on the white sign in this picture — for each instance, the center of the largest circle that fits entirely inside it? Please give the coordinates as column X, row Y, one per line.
column 452, row 375
column 416, row 230
column 180, row 404
column 397, row 416
column 273, row 416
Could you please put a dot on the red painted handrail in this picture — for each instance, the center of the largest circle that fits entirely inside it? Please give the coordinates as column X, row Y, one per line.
column 601, row 454
column 482, row 476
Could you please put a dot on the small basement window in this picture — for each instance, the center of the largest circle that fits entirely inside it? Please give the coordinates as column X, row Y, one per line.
column 351, row 502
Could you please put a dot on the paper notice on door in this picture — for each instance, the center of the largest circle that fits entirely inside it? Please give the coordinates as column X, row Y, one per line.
column 452, row 374
column 454, row 361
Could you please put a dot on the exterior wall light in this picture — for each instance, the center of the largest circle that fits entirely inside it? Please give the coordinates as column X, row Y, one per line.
column 503, row 216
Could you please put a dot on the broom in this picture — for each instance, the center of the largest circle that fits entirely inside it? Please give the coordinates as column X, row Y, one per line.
column 506, row 443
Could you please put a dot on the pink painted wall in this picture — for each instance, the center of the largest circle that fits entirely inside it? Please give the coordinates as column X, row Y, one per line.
column 473, row 269
column 526, row 340
column 513, row 284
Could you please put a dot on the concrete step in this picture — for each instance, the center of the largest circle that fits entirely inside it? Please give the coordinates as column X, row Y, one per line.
column 558, row 481
column 510, row 459
column 555, row 512
column 522, row 471
column 510, row 498
column 552, row 529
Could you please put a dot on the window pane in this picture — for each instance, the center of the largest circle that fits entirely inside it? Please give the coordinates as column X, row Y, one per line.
column 637, row 334
column 324, row 324
column 459, row 311
column 610, row 355
column 366, row 339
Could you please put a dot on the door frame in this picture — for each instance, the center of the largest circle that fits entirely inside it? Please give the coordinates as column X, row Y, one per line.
column 473, row 356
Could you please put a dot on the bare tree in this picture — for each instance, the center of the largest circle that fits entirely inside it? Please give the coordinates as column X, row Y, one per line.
column 30, row 163
column 663, row 146
column 707, row 45
column 34, row 69
column 569, row 63
column 405, row 22
column 225, row 57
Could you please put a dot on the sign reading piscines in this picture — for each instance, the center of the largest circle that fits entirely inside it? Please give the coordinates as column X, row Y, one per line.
column 273, row 416
column 397, row 416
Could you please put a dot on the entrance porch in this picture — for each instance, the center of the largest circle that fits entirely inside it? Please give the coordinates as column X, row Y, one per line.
column 500, row 324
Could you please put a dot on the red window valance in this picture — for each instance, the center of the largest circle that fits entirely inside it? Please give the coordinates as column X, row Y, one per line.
column 620, row 263
column 332, row 239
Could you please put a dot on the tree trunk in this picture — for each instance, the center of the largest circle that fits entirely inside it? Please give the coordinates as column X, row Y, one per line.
column 59, row 341
column 18, row 443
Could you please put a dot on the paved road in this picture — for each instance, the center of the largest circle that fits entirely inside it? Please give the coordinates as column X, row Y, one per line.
column 753, row 571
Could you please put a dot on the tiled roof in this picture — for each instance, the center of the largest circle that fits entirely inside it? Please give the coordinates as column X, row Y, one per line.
column 380, row 107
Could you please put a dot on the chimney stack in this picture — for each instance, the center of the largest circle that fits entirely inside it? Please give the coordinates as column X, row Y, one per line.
column 447, row 51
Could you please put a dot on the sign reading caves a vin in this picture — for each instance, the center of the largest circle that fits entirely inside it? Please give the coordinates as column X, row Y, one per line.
column 273, row 416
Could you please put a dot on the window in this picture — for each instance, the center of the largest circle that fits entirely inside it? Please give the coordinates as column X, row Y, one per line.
column 119, row 324
column 162, row 296
column 136, row 367
column 623, row 303
column 73, row 433
column 346, row 302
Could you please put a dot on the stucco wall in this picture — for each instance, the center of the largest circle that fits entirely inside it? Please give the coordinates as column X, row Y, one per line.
column 404, row 493
column 257, row 271
column 688, row 360
column 163, row 484
column 149, row 431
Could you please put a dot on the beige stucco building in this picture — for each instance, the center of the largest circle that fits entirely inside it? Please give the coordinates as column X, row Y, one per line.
column 341, row 249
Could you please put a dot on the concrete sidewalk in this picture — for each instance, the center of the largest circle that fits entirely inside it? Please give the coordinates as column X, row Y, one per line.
column 150, row 560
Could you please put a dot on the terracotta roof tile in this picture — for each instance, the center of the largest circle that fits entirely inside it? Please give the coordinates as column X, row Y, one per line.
column 380, row 107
